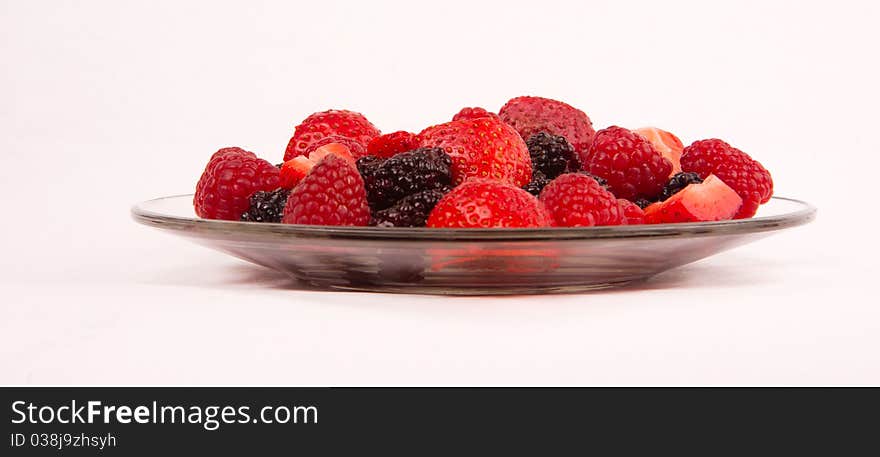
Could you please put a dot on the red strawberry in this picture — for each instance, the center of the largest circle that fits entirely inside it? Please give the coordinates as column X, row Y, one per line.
column 339, row 149
column 389, row 144
column 530, row 115
column 739, row 171
column 629, row 162
column 472, row 113
column 713, row 200
column 632, row 214
column 333, row 122
column 294, row 170
column 354, row 149
column 230, row 178
column 482, row 148
column 485, row 203
column 577, row 200
column 666, row 144
column 332, row 194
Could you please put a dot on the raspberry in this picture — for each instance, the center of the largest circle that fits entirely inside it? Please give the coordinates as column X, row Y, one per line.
column 332, row 194
column 355, row 148
column 266, row 206
column 530, row 115
column 551, row 154
column 629, row 162
column 230, row 178
column 333, row 122
column 678, row 182
column 473, row 113
column 536, row 185
column 631, row 213
column 392, row 143
column 577, row 200
column 411, row 211
column 482, row 148
column 486, row 203
column 751, row 181
column 404, row 174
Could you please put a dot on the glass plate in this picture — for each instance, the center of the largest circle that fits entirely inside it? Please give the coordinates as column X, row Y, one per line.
column 469, row 261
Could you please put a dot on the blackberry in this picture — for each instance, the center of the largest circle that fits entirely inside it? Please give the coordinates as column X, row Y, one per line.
column 266, row 206
column 642, row 202
column 678, row 182
column 552, row 155
column 404, row 174
column 536, row 185
column 410, row 211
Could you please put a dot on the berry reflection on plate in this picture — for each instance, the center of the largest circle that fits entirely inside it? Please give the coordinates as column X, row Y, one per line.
column 536, row 163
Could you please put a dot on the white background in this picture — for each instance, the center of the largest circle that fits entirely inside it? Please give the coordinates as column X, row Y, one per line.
column 103, row 104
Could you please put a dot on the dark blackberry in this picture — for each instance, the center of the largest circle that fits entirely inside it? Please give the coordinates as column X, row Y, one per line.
column 536, row 185
column 404, row 174
column 410, row 211
column 678, row 182
column 552, row 155
column 266, row 206
column 642, row 202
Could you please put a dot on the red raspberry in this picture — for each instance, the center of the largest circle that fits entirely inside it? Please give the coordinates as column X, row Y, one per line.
column 332, row 194
column 577, row 200
column 632, row 214
column 629, row 162
column 472, row 113
column 230, row 178
column 530, row 115
column 333, row 122
column 482, row 148
column 355, row 148
column 484, row 203
column 389, row 144
column 751, row 181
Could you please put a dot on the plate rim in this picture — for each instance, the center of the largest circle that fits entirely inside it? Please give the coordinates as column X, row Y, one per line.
column 805, row 214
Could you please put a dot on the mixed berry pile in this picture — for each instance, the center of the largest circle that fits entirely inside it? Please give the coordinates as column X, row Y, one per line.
column 536, row 163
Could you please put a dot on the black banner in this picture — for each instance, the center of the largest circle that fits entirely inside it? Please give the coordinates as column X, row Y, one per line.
column 414, row 421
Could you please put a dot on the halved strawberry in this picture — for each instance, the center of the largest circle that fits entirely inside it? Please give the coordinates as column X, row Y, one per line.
column 710, row 201
column 666, row 144
column 332, row 148
column 294, row 170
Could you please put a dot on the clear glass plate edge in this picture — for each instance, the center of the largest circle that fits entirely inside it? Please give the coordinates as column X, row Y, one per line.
column 803, row 215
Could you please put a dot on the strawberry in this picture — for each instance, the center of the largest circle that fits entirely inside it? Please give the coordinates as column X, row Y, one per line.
column 294, row 170
column 531, row 115
column 332, row 194
column 666, row 144
column 343, row 123
column 713, row 200
column 339, row 149
column 486, row 203
column 483, row 148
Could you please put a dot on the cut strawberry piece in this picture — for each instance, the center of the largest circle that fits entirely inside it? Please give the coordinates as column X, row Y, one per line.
column 294, row 170
column 333, row 148
column 666, row 144
column 710, row 201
